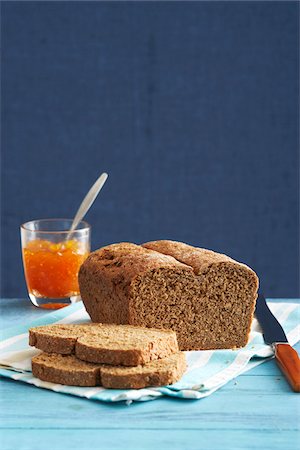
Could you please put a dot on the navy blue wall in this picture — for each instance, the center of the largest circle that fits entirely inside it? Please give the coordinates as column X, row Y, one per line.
column 192, row 108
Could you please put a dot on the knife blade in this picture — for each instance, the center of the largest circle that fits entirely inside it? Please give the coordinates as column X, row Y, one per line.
column 286, row 356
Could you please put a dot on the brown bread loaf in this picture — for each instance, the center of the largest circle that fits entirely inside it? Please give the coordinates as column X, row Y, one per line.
column 67, row 369
column 206, row 297
column 105, row 343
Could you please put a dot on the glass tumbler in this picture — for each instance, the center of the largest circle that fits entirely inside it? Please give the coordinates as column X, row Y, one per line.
column 52, row 257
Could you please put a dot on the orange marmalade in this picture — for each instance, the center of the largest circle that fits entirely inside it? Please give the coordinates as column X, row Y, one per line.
column 51, row 269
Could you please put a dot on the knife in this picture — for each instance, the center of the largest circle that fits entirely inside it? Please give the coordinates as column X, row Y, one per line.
column 286, row 357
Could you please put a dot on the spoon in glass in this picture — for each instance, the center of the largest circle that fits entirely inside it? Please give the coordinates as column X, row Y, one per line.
column 87, row 202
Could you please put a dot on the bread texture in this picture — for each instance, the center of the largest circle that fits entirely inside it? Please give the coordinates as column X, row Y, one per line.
column 161, row 372
column 57, row 338
column 67, row 369
column 207, row 298
column 105, row 343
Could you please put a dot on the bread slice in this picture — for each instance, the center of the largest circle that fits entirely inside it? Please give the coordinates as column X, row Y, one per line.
column 65, row 369
column 161, row 372
column 207, row 298
column 57, row 338
column 69, row 370
column 123, row 345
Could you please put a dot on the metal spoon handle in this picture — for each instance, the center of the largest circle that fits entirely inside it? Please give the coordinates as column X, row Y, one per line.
column 88, row 201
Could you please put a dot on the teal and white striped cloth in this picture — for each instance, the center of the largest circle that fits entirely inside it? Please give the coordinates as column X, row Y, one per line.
column 207, row 370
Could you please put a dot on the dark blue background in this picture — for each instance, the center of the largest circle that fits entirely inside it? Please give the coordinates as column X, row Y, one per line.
column 192, row 108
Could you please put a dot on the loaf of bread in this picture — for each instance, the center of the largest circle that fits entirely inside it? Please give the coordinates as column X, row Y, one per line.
column 124, row 345
column 67, row 369
column 206, row 297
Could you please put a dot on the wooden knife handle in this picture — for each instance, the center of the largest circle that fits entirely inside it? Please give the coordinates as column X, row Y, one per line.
column 288, row 360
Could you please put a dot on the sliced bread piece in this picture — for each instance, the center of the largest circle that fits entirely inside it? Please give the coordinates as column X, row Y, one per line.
column 65, row 369
column 156, row 373
column 57, row 338
column 124, row 345
column 69, row 370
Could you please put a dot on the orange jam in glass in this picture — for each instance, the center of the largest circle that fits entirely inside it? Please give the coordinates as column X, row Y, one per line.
column 51, row 269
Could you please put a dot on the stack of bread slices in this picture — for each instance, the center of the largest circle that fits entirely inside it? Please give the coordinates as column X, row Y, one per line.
column 108, row 355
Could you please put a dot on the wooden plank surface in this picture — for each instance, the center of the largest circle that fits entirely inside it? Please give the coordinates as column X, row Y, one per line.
column 255, row 411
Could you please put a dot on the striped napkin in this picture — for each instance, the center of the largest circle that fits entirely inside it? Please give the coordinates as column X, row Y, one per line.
column 207, row 370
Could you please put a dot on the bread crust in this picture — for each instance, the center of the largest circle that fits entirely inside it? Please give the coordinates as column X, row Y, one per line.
column 200, row 259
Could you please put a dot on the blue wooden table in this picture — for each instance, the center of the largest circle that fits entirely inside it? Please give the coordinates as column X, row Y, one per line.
column 256, row 411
